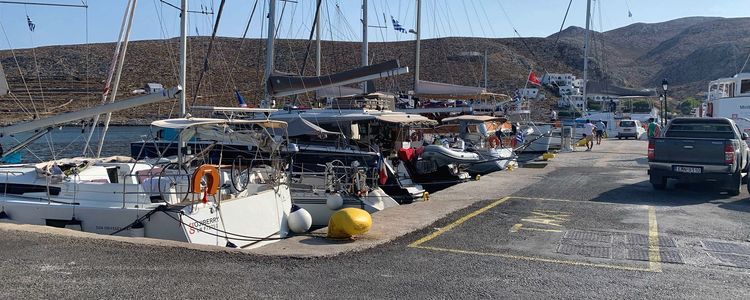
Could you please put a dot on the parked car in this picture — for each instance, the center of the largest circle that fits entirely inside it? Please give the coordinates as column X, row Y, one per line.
column 699, row 149
column 630, row 129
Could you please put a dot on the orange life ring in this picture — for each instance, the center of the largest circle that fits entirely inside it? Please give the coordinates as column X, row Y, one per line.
column 493, row 141
column 212, row 180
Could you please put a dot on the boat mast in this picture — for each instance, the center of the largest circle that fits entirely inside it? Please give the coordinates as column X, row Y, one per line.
column 317, row 40
column 485, row 69
column 269, row 50
column 416, row 57
column 586, row 55
column 183, row 56
column 116, row 83
column 111, row 73
column 364, row 58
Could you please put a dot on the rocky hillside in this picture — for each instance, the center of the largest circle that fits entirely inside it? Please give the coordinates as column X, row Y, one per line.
column 689, row 52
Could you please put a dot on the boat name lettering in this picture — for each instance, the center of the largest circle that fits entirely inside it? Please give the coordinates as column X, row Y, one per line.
column 204, row 224
column 744, row 106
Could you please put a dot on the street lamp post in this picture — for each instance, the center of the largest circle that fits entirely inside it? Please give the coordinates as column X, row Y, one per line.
column 665, row 85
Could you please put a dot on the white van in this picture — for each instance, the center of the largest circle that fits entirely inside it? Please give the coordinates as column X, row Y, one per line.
column 630, row 128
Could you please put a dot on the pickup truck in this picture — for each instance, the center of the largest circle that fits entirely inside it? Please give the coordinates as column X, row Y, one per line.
column 699, row 149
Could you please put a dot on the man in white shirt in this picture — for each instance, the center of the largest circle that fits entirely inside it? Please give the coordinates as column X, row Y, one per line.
column 588, row 134
column 600, row 127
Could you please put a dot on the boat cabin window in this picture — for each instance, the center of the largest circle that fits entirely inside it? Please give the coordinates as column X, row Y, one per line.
column 745, row 86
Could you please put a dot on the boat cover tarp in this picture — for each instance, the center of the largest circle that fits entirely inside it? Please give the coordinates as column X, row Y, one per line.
column 406, row 119
column 282, row 83
column 439, row 90
column 472, row 118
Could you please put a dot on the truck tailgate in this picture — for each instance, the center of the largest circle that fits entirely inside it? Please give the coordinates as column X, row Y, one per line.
column 689, row 150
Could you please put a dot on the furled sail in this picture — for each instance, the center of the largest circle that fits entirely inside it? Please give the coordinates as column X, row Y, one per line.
column 280, row 85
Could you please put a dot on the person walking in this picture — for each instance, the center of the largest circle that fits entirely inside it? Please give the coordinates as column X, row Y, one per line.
column 654, row 130
column 588, row 134
column 600, row 127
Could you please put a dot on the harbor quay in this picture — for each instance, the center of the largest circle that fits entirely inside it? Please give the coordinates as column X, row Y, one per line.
column 585, row 224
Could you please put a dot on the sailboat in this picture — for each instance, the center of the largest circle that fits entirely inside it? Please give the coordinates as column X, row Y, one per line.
column 184, row 197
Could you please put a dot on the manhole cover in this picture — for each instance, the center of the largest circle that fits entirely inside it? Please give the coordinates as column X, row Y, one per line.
column 667, row 256
column 585, row 250
column 589, row 236
column 642, row 240
column 726, row 247
column 732, row 260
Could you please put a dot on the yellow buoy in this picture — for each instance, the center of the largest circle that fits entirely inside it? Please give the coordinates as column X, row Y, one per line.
column 548, row 156
column 349, row 222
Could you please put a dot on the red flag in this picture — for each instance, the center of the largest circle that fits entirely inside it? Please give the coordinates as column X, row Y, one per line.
column 382, row 174
column 533, row 79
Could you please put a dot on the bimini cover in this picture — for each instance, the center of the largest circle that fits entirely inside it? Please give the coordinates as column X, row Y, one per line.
column 299, row 126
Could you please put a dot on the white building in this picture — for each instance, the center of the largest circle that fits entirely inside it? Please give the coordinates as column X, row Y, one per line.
column 568, row 90
column 528, row 93
column 559, row 79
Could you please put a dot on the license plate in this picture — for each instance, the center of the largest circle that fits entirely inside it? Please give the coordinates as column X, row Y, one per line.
column 683, row 169
column 628, row 130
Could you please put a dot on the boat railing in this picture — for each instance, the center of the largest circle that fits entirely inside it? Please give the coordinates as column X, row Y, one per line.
column 338, row 177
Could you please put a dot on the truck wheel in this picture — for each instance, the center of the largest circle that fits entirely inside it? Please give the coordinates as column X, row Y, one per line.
column 661, row 185
column 736, row 184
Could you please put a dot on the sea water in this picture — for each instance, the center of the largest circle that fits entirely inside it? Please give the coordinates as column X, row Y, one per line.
column 66, row 142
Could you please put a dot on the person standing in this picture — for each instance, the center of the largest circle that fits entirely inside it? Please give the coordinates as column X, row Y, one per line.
column 600, row 127
column 654, row 130
column 588, row 132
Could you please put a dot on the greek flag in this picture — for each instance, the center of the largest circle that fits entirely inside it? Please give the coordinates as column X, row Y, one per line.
column 31, row 24
column 520, row 138
column 397, row 26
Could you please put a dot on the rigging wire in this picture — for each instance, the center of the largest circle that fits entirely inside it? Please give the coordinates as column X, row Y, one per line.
column 35, row 115
column 208, row 53
column 36, row 63
column 563, row 23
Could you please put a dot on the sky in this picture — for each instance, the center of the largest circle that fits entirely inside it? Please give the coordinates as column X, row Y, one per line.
column 340, row 19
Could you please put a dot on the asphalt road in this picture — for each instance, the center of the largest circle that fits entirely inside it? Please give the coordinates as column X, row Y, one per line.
column 591, row 228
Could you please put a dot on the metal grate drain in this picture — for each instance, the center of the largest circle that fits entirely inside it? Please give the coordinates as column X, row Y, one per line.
column 730, row 248
column 642, row 240
column 585, row 250
column 588, row 236
column 666, row 256
column 732, row 260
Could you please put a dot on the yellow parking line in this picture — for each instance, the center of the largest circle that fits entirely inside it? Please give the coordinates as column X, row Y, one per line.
column 654, row 256
column 458, row 222
column 539, row 259
column 653, row 234
column 540, row 229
